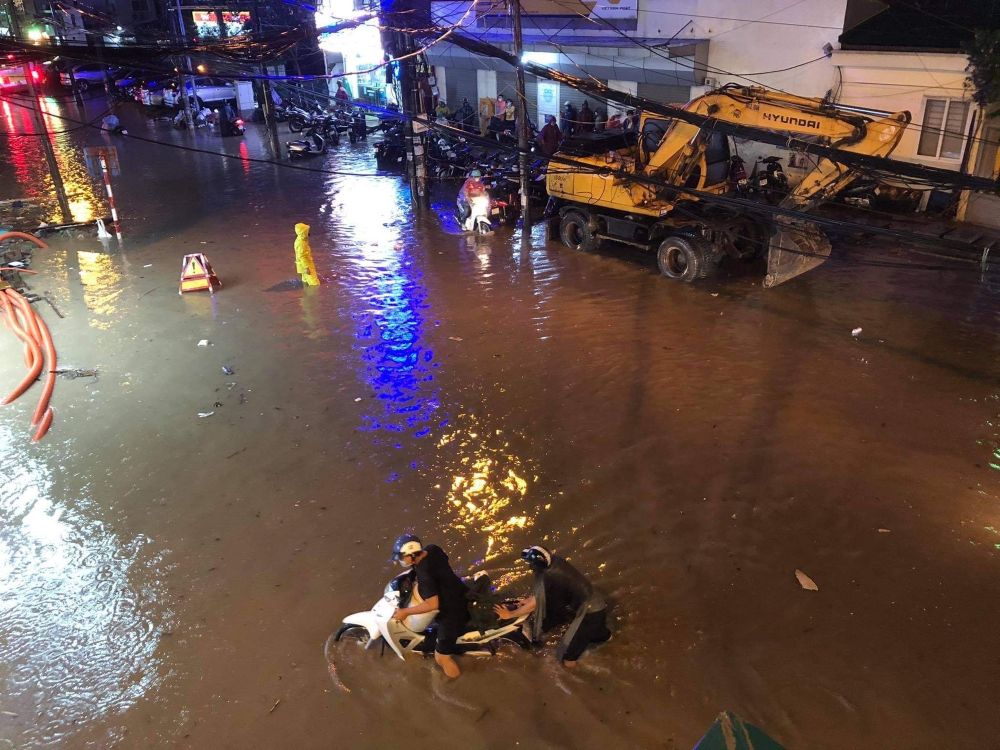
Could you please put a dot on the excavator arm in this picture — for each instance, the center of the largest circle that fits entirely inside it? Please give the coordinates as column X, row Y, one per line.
column 796, row 246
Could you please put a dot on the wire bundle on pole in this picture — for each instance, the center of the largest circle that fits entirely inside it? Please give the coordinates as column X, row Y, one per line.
column 39, row 350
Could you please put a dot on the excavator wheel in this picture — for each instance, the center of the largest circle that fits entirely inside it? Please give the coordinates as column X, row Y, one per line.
column 685, row 258
column 578, row 232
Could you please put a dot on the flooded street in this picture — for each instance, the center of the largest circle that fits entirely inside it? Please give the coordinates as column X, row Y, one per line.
column 170, row 580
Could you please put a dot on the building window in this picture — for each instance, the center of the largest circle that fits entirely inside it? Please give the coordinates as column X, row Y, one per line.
column 943, row 130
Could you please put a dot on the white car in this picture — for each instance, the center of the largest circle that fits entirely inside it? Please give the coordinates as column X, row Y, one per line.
column 12, row 79
column 208, row 90
column 86, row 76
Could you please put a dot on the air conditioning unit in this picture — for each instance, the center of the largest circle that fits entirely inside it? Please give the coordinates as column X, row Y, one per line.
column 712, row 83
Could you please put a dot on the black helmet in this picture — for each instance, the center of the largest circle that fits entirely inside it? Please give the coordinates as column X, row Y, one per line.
column 407, row 544
column 537, row 557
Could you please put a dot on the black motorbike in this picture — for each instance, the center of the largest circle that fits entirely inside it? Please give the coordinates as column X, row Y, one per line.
column 768, row 179
column 390, row 153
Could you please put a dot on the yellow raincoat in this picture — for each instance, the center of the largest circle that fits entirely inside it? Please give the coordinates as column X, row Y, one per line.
column 304, row 264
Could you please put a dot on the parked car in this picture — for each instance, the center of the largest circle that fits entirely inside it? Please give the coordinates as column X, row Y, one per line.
column 209, row 91
column 12, row 79
column 90, row 74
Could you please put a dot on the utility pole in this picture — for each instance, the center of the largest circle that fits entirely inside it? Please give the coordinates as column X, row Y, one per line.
column 522, row 124
column 416, row 165
column 267, row 102
column 50, row 156
column 182, row 36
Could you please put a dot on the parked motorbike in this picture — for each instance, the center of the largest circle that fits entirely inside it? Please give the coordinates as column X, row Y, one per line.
column 230, row 127
column 311, row 144
column 768, row 179
column 416, row 634
column 390, row 153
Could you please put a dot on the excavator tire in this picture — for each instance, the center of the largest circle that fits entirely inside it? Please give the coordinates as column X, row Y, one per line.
column 577, row 232
column 685, row 258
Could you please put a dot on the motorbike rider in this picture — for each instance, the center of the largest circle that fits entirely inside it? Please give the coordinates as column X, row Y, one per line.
column 441, row 589
column 473, row 187
column 561, row 594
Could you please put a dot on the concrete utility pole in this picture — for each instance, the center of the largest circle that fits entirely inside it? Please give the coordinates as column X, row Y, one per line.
column 267, row 101
column 50, row 156
column 182, row 36
column 522, row 124
column 416, row 164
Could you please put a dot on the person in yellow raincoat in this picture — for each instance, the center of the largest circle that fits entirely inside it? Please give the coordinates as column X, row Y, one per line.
column 304, row 264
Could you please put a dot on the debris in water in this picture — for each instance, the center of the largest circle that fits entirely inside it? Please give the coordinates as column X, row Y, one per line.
column 148, row 265
column 357, row 399
column 274, row 706
column 805, row 581
column 856, row 332
column 228, row 370
column 715, row 294
column 217, row 404
column 204, row 342
column 885, row 531
column 455, row 338
column 203, row 414
column 73, row 373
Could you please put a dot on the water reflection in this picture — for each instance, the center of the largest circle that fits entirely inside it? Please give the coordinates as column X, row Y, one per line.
column 487, row 499
column 78, row 639
column 101, row 279
column 26, row 156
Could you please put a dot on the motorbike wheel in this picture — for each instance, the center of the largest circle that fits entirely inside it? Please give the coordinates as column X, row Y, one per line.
column 296, row 124
column 356, row 633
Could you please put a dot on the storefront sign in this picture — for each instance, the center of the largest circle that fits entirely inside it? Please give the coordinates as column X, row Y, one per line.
column 548, row 100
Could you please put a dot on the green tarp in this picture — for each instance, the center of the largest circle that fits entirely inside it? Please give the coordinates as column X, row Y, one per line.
column 730, row 732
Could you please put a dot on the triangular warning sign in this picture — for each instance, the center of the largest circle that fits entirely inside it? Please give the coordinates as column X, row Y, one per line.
column 197, row 274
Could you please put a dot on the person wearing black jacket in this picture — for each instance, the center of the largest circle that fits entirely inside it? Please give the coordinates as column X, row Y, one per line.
column 439, row 588
column 561, row 595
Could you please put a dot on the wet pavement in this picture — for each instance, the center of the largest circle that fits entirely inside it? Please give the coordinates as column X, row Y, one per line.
column 170, row 580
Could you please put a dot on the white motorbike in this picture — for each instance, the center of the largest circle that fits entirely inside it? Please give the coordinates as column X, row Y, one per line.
column 479, row 218
column 416, row 633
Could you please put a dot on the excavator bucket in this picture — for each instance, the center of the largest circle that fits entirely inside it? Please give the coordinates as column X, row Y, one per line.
column 796, row 247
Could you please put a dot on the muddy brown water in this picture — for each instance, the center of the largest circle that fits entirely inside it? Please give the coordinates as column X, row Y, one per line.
column 168, row 580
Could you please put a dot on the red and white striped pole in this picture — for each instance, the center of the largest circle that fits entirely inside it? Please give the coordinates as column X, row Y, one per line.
column 111, row 197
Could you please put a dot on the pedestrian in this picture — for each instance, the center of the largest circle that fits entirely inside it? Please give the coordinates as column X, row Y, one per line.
column 586, row 118
column 304, row 264
column 510, row 117
column 549, row 136
column 439, row 588
column 441, row 112
column 614, row 121
column 561, row 594
column 567, row 123
column 631, row 123
column 466, row 116
column 341, row 97
column 601, row 121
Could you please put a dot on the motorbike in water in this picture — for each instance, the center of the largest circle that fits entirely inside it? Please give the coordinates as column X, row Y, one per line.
column 311, row 144
column 416, row 634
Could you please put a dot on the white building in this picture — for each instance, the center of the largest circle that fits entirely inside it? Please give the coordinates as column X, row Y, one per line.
column 907, row 57
column 667, row 50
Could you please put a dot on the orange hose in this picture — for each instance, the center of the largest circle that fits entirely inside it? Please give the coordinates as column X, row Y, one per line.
column 36, row 351
column 43, row 426
column 50, row 376
column 22, row 236
column 27, row 321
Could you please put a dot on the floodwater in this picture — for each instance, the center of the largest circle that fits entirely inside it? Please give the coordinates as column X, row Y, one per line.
column 169, row 580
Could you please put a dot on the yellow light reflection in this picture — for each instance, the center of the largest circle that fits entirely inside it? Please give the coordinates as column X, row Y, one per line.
column 102, row 287
column 487, row 501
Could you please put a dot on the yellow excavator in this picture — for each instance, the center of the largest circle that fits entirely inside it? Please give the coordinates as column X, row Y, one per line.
column 652, row 188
